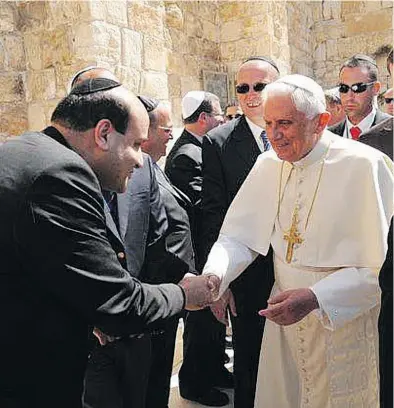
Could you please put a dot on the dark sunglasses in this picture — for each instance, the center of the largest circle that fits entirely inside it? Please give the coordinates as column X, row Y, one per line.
column 389, row 100
column 230, row 117
column 356, row 88
column 244, row 88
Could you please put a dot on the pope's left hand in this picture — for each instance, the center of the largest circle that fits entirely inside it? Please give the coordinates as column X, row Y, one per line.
column 290, row 306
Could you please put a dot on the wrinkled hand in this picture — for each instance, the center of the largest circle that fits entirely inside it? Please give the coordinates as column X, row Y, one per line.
column 200, row 291
column 290, row 306
column 102, row 337
column 219, row 308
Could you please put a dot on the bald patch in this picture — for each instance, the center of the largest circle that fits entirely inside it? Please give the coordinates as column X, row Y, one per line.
column 261, row 66
column 95, row 73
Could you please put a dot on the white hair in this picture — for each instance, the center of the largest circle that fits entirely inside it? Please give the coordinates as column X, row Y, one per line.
column 307, row 95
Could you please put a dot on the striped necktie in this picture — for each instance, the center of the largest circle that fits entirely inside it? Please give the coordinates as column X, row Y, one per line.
column 265, row 140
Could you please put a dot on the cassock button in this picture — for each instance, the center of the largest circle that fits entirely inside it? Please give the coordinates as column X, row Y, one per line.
column 121, row 255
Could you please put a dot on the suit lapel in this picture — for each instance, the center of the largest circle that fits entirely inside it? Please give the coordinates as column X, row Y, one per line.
column 123, row 212
column 246, row 145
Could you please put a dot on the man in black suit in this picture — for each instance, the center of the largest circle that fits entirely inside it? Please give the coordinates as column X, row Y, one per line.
column 229, row 153
column 203, row 335
column 177, row 248
column 358, row 88
column 381, row 137
column 63, row 260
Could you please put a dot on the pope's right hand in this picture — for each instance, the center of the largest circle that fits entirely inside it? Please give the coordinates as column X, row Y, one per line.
column 221, row 306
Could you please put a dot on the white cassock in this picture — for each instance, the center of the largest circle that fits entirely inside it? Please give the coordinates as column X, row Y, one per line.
column 330, row 358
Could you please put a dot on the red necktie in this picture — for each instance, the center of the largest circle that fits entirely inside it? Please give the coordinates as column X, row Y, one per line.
column 355, row 131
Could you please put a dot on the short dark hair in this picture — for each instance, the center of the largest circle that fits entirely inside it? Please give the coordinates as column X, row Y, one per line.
column 233, row 102
column 83, row 112
column 205, row 106
column 362, row 61
column 389, row 60
column 264, row 59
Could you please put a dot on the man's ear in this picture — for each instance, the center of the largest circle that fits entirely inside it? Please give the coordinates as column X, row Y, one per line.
column 101, row 131
column 376, row 87
column 324, row 118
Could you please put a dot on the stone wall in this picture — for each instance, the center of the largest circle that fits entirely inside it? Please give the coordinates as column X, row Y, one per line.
column 160, row 48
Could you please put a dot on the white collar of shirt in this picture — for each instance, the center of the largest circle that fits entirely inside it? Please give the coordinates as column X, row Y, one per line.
column 199, row 138
column 256, row 131
column 364, row 125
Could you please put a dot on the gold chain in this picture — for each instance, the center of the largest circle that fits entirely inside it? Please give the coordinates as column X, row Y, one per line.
column 280, row 199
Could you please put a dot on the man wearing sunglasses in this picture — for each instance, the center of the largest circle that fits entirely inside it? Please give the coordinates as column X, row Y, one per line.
column 232, row 111
column 358, row 88
column 389, row 102
column 229, row 153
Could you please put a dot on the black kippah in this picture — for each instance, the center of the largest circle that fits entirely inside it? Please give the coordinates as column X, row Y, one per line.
column 150, row 104
column 93, row 85
column 263, row 58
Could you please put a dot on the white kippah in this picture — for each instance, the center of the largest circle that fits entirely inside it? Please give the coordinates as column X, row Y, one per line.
column 303, row 82
column 191, row 102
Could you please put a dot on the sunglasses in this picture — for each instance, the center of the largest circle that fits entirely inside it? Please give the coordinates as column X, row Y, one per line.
column 244, row 88
column 356, row 88
column 389, row 100
column 230, row 117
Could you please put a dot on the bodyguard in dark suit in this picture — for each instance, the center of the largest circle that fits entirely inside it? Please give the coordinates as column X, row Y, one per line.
column 203, row 335
column 358, row 88
column 63, row 265
column 381, row 137
column 229, row 153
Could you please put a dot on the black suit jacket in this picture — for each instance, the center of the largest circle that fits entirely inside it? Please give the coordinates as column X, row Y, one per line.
column 63, row 271
column 339, row 128
column 380, row 137
column 184, row 169
column 229, row 153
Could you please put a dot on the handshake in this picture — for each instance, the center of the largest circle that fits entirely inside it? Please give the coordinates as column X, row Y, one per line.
column 200, row 291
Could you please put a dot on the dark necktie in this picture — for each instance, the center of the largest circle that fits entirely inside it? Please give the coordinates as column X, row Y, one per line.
column 265, row 140
column 355, row 131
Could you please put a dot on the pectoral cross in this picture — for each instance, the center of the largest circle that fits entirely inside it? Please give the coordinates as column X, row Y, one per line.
column 292, row 237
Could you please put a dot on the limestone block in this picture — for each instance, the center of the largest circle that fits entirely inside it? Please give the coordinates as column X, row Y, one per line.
column 351, row 7
column 154, row 84
column 155, row 53
column 112, row 11
column 227, row 51
column 193, row 26
column 320, row 52
column 33, row 15
column 144, row 18
column 12, row 56
column 317, row 11
column 36, row 116
column 63, row 11
column 231, row 31
column 97, row 40
column 257, row 26
column 41, row 85
column 8, row 15
column 192, row 65
column 179, row 42
column 206, row 10
column 203, row 48
column 174, row 86
column 176, row 107
column 210, row 31
column 174, row 16
column 229, row 10
column 189, row 83
column 332, row 49
column 176, row 63
column 130, row 77
column 369, row 23
column 12, row 87
column 131, row 48
column 331, row 10
column 13, row 119
column 33, row 51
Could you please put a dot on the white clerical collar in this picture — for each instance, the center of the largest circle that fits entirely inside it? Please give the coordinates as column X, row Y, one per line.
column 364, row 125
column 256, row 131
column 316, row 153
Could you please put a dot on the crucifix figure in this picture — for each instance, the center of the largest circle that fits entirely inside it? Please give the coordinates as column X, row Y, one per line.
column 292, row 236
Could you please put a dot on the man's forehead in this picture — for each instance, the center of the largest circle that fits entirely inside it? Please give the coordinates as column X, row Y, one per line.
column 354, row 72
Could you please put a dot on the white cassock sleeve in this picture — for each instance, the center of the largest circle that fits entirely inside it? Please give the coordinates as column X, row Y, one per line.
column 227, row 260
column 345, row 295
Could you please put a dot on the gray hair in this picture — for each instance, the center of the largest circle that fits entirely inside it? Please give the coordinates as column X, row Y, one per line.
column 332, row 96
column 306, row 95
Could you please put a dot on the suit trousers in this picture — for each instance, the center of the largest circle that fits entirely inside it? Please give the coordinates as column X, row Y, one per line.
column 247, row 336
column 162, row 357
column 117, row 374
column 203, row 351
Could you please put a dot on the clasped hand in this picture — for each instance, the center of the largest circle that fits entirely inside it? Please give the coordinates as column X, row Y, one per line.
column 290, row 306
column 200, row 291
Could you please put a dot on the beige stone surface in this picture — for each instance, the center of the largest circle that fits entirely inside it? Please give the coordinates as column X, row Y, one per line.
column 131, row 48
column 154, row 84
column 12, row 56
column 8, row 17
column 155, row 53
column 12, row 87
column 13, row 119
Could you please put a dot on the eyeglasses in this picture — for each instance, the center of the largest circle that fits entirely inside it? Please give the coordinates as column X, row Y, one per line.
column 356, row 88
column 230, row 117
column 244, row 88
column 389, row 100
column 166, row 129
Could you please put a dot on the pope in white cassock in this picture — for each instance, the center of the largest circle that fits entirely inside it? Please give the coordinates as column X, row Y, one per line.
column 324, row 204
